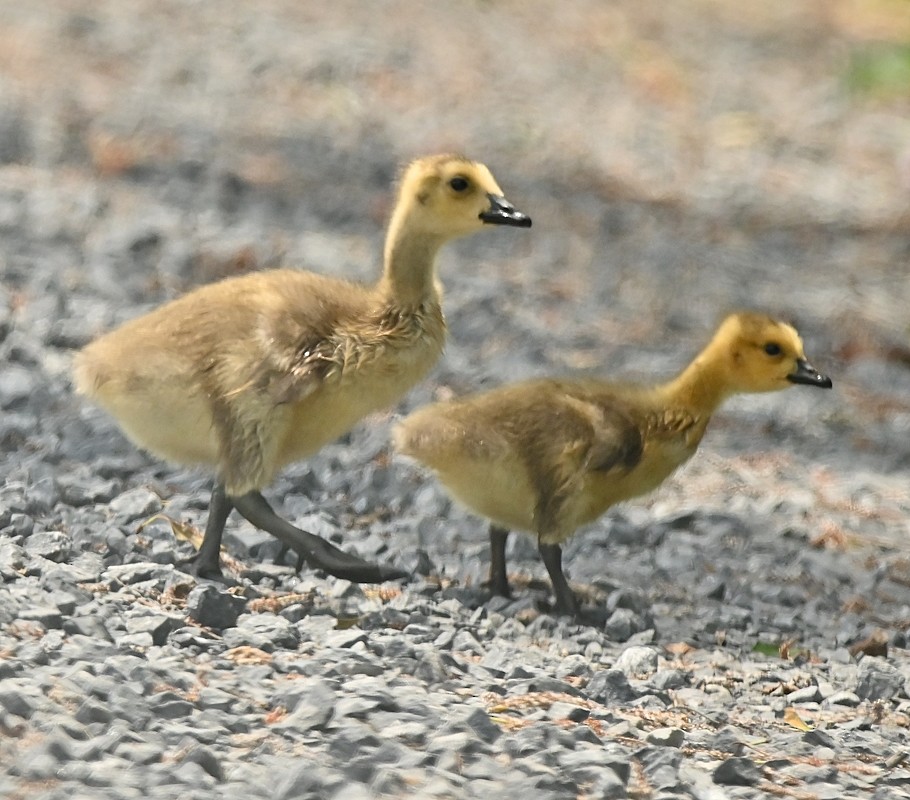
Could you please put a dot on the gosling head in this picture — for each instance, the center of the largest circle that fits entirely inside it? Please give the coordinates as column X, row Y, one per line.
column 448, row 196
column 764, row 355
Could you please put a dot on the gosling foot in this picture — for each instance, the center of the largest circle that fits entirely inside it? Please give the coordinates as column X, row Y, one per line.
column 205, row 563
column 313, row 550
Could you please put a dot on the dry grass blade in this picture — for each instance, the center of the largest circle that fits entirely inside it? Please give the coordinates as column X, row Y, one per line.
column 382, row 593
column 248, row 655
column 275, row 604
column 182, row 530
column 793, row 719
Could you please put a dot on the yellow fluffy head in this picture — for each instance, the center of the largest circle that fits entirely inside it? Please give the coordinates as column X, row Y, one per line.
column 762, row 354
column 448, row 196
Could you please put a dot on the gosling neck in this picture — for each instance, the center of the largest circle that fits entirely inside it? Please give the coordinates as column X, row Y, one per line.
column 409, row 271
column 702, row 386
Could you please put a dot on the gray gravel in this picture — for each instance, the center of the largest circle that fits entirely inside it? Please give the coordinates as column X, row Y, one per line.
column 748, row 632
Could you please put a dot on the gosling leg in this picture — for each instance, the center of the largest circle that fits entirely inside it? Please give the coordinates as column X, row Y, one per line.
column 317, row 552
column 499, row 581
column 205, row 563
column 566, row 602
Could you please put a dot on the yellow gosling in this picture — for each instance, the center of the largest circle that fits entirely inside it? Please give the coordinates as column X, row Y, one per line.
column 251, row 373
column 547, row 456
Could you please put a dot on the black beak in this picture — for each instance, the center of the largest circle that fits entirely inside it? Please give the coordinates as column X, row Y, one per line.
column 502, row 212
column 809, row 375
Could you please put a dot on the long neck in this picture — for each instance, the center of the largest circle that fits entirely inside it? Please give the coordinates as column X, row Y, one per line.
column 702, row 386
column 409, row 271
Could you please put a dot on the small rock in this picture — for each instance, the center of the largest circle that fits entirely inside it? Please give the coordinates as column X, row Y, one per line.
column 860, row 723
column 169, row 705
column 570, row 711
column 48, row 616
column 830, row 791
column 737, row 771
column 480, row 724
column 52, row 545
column 820, row 738
column 264, row 570
column 665, row 679
column 68, row 334
column 90, row 626
column 844, row 698
column 92, row 711
column 142, row 753
column 210, row 697
column 15, row 135
column 466, row 642
column 304, row 693
column 626, row 623
column 19, row 525
column 544, row 683
column 39, row 766
column 139, row 572
column 727, row 740
column 666, row 737
column 345, row 638
column 630, row 599
column 352, row 739
column 135, row 504
column 195, row 638
column 15, row 702
column 878, row 680
column 808, row 694
column 584, row 734
column 12, row 560
column 431, row 668
column 610, row 687
column 157, row 626
column 206, row 759
column 307, row 780
column 637, row 661
column 268, row 632
column 661, row 764
column 214, row 608
column 190, row 773
column 85, row 491
column 825, row 689
column 17, row 384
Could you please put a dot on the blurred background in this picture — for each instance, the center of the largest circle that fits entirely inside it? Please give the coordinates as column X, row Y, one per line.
column 679, row 160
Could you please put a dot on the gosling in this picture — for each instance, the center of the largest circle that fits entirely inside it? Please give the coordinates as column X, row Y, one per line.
column 547, row 456
column 254, row 372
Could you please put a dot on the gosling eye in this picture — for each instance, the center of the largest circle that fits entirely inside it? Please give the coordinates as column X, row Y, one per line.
column 772, row 349
column 459, row 184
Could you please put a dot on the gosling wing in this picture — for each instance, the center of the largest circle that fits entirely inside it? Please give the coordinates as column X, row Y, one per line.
column 576, row 438
column 301, row 339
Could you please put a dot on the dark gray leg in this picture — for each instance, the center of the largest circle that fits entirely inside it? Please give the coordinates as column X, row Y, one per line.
column 499, row 581
column 317, row 552
column 206, row 561
column 565, row 598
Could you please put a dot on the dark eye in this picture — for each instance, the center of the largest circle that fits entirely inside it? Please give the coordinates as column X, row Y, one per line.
column 458, row 183
column 772, row 349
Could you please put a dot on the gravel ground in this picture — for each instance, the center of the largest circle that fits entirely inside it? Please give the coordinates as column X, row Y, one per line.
column 679, row 160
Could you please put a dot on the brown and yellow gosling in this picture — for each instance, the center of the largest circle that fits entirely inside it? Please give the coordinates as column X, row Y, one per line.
column 254, row 372
column 547, row 456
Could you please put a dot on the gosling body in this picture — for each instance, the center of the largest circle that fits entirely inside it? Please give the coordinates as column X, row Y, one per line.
column 548, row 456
column 249, row 374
